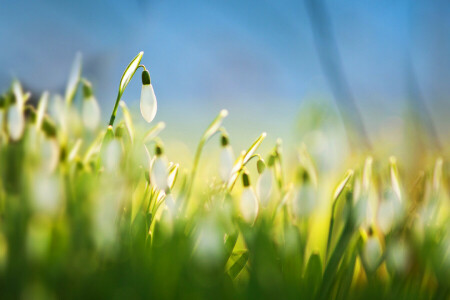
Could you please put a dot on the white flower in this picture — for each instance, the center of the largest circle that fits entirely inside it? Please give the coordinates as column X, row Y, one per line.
column 226, row 163
column 112, row 156
column 304, row 201
column 148, row 103
column 390, row 211
column 398, row 256
column 91, row 113
column 16, row 121
column 372, row 252
column 249, row 205
column 264, row 186
column 159, row 173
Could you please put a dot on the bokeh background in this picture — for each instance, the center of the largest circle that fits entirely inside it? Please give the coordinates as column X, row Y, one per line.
column 259, row 59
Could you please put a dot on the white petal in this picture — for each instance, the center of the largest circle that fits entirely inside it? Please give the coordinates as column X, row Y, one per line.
column 159, row 173
column 264, row 187
column 372, row 252
column 16, row 122
column 385, row 216
column 226, row 163
column 304, row 201
column 112, row 155
column 148, row 102
column 91, row 113
column 249, row 205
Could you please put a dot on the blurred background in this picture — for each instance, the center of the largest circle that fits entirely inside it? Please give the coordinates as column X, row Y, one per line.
column 261, row 60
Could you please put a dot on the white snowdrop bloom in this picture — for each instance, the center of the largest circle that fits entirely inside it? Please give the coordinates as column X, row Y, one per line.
column 372, row 252
column 209, row 243
column 112, row 156
column 385, row 216
column 249, row 205
column 159, row 172
column 390, row 211
column 148, row 102
column 304, row 201
column 16, row 121
column 264, row 186
column 91, row 113
column 49, row 152
column 46, row 194
column 398, row 256
column 226, row 163
column 363, row 211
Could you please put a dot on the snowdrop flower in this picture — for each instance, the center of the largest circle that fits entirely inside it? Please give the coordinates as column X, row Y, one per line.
column 226, row 159
column 148, row 100
column 91, row 110
column 264, row 185
column 112, row 155
column 16, row 120
column 159, row 172
column 372, row 252
column 398, row 256
column 249, row 204
column 304, row 198
column 390, row 211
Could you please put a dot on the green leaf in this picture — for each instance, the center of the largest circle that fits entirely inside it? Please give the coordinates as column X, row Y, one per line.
column 129, row 72
column 336, row 194
column 154, row 131
column 239, row 264
column 313, row 275
column 128, row 120
column 342, row 184
column 394, row 177
column 41, row 108
column 173, row 173
column 215, row 125
column 243, row 160
column 74, row 79
column 229, row 244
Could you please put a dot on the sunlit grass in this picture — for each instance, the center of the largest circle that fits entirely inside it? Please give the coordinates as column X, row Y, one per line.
column 102, row 211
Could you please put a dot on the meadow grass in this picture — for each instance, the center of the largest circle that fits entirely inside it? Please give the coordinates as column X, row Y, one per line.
column 101, row 212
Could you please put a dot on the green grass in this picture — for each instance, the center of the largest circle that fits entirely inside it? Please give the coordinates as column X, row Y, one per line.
column 102, row 213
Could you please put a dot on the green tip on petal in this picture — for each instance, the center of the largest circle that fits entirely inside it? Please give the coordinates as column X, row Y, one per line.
column 146, row 77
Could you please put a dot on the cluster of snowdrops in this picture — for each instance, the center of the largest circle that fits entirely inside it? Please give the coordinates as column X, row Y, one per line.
column 86, row 211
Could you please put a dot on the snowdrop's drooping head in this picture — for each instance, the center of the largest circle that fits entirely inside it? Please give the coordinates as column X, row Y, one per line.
column 226, row 158
column 148, row 103
column 265, row 183
column 249, row 203
column 159, row 172
column 90, row 110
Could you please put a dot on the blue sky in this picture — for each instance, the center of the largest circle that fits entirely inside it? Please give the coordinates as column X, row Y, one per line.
column 208, row 55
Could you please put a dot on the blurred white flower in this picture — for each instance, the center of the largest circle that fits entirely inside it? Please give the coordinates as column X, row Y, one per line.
column 159, row 172
column 112, row 155
column 390, row 211
column 249, row 205
column 398, row 256
column 304, row 200
column 372, row 252
column 148, row 103
column 46, row 194
column 16, row 121
column 91, row 113
column 209, row 249
column 264, row 186
column 226, row 163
